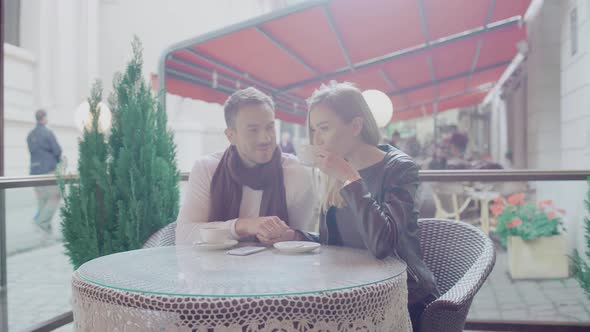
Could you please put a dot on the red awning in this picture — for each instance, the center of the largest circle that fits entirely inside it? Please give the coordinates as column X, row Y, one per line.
column 425, row 54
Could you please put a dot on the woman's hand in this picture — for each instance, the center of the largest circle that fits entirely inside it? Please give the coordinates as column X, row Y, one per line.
column 335, row 166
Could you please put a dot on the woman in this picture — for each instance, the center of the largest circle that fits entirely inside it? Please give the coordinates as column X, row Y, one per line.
column 369, row 198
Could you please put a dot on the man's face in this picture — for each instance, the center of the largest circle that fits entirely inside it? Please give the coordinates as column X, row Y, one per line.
column 253, row 134
column 44, row 120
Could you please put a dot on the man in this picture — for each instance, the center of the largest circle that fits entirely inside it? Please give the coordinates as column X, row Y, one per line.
column 507, row 164
column 45, row 155
column 458, row 145
column 286, row 144
column 256, row 190
column 456, row 153
column 396, row 139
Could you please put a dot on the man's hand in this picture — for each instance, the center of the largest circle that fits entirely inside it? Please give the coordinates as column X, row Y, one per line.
column 265, row 227
column 288, row 235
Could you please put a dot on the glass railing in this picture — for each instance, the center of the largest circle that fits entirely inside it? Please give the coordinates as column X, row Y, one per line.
column 38, row 271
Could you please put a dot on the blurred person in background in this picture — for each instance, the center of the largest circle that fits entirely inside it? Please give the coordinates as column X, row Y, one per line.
column 45, row 156
column 396, row 139
column 286, row 144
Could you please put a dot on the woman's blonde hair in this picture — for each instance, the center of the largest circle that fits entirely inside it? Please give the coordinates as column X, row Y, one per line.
column 348, row 103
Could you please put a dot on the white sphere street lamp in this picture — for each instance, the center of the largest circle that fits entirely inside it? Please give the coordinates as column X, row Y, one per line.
column 380, row 105
column 84, row 117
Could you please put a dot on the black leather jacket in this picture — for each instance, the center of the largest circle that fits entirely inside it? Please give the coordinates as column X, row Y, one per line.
column 389, row 219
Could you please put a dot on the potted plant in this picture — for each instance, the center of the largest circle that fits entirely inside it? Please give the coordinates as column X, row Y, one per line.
column 533, row 236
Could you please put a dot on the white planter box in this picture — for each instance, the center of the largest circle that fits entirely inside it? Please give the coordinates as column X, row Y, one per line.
column 542, row 258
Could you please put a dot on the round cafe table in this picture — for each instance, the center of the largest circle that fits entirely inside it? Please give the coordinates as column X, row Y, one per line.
column 184, row 289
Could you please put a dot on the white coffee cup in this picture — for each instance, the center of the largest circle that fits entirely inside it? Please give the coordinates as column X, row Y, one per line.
column 214, row 232
column 306, row 154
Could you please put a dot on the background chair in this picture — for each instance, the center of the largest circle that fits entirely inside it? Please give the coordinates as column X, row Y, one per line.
column 450, row 200
column 163, row 238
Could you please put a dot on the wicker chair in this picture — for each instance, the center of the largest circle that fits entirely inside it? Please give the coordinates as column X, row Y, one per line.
column 163, row 238
column 461, row 258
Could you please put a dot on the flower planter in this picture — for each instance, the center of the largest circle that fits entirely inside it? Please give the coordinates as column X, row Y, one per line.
column 541, row 258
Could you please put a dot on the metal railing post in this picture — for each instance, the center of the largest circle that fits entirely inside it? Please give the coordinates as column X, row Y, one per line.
column 3, row 275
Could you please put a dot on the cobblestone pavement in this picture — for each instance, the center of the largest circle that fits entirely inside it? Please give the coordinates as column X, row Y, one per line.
column 38, row 286
column 503, row 298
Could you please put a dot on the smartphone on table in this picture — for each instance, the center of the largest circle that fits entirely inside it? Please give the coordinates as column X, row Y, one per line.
column 245, row 251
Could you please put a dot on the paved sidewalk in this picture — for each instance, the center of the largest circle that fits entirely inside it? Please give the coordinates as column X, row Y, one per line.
column 22, row 235
column 503, row 298
column 39, row 288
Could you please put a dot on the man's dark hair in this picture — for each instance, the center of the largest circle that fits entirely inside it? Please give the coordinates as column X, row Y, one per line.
column 241, row 98
column 460, row 141
column 40, row 115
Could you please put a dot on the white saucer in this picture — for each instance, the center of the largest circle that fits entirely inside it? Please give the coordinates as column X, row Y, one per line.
column 296, row 246
column 215, row 246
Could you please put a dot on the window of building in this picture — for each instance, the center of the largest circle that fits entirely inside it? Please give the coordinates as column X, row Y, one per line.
column 11, row 19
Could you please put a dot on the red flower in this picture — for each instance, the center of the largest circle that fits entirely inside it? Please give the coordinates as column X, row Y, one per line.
column 544, row 203
column 551, row 215
column 516, row 199
column 499, row 200
column 514, row 223
column 497, row 209
column 561, row 211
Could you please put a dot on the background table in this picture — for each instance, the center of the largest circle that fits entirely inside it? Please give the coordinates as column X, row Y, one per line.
column 182, row 289
column 484, row 198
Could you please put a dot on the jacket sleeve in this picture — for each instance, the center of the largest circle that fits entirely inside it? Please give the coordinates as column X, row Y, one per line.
column 308, row 236
column 194, row 211
column 54, row 146
column 381, row 224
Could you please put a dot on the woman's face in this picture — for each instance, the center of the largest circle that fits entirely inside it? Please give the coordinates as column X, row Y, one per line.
column 328, row 131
